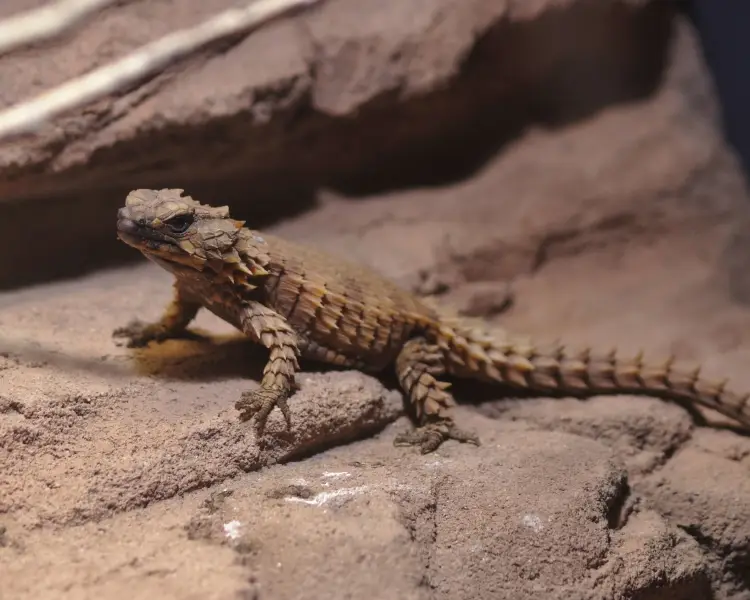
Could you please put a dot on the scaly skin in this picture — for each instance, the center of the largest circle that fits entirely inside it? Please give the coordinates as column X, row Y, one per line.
column 299, row 302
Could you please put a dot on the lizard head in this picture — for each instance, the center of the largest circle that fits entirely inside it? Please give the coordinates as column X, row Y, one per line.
column 178, row 232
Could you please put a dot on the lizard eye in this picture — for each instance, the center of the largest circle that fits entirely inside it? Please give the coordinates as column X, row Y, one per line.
column 180, row 223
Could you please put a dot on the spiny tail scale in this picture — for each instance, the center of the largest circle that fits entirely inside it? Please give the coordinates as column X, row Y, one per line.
column 521, row 364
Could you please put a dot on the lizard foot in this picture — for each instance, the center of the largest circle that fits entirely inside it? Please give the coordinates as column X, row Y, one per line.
column 138, row 334
column 260, row 403
column 431, row 436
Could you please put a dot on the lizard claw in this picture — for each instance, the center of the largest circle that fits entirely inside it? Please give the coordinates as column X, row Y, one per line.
column 259, row 404
column 138, row 334
column 431, row 436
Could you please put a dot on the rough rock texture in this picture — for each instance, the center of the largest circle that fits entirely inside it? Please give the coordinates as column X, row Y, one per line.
column 126, row 475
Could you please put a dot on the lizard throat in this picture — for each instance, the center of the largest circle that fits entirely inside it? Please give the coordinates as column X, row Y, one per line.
column 169, row 265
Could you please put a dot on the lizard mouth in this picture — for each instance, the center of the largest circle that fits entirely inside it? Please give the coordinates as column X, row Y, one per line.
column 131, row 233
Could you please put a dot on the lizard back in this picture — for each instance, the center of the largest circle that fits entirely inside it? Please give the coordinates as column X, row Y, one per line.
column 340, row 305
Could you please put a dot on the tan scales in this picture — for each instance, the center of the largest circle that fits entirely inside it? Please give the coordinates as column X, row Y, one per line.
column 300, row 302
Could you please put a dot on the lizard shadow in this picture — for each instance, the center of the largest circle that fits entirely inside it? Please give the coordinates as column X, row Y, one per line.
column 206, row 357
column 492, row 395
column 36, row 355
column 198, row 355
column 201, row 356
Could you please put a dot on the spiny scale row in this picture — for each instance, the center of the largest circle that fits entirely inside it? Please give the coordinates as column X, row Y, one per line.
column 525, row 365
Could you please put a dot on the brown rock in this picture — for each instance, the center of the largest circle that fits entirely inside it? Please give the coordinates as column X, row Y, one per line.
column 437, row 525
column 709, row 498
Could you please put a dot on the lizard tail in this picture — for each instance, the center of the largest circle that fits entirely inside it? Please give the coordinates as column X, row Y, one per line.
column 521, row 364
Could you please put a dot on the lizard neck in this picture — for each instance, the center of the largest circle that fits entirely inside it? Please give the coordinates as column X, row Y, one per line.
column 252, row 248
column 241, row 266
column 246, row 266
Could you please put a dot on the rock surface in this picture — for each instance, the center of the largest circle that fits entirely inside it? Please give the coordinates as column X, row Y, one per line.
column 126, row 474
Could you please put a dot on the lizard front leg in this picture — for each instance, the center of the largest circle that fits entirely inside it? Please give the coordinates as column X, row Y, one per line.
column 417, row 366
column 173, row 322
column 270, row 329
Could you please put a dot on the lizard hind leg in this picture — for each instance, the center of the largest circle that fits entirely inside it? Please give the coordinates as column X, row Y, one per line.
column 417, row 367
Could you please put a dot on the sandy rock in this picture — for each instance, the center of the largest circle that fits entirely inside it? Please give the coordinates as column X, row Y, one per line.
column 653, row 559
column 437, row 525
column 709, row 498
column 644, row 431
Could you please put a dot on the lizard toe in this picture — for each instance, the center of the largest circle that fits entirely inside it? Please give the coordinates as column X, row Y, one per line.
column 259, row 404
column 463, row 436
column 431, row 436
column 138, row 334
